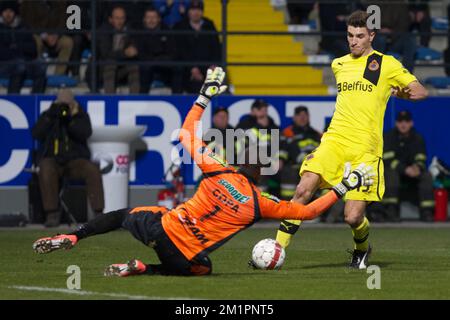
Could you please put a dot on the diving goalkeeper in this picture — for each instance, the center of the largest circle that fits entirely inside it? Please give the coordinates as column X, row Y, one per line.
column 225, row 203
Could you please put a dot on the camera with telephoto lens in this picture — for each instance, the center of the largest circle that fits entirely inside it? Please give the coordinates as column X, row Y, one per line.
column 60, row 110
column 64, row 110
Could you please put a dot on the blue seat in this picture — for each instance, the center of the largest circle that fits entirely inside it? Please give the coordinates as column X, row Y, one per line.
column 428, row 54
column 86, row 54
column 61, row 81
column 157, row 84
column 396, row 55
column 312, row 24
column 4, row 82
column 52, row 81
column 439, row 24
column 438, row 82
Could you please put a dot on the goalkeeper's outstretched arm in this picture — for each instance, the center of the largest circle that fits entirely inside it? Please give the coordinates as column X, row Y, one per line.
column 361, row 176
column 198, row 150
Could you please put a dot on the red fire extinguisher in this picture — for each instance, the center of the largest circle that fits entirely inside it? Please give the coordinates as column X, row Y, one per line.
column 441, row 203
column 166, row 198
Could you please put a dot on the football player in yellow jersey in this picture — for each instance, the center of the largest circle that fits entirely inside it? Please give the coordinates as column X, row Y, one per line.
column 365, row 80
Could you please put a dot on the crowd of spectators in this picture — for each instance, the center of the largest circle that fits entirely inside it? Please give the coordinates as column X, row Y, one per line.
column 127, row 33
column 399, row 20
column 134, row 46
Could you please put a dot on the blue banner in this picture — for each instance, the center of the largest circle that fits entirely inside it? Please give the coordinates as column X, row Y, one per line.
column 164, row 114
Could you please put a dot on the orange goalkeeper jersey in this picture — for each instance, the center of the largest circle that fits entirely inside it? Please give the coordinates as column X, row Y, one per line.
column 226, row 202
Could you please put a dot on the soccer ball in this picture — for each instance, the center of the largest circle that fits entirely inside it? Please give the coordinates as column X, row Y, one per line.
column 268, row 254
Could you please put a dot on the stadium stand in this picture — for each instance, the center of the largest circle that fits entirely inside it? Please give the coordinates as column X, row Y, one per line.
column 269, row 49
column 243, row 16
column 53, row 81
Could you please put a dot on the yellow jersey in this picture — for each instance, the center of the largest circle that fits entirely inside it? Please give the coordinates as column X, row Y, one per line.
column 364, row 87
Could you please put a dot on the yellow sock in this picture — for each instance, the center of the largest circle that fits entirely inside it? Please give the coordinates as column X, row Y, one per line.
column 286, row 230
column 361, row 235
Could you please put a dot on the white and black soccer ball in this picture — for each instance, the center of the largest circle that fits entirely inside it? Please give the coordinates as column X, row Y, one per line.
column 268, row 254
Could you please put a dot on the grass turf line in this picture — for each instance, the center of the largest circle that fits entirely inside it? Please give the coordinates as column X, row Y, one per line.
column 414, row 265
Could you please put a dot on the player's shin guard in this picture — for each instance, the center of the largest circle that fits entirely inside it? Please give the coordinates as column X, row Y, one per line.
column 361, row 235
column 286, row 230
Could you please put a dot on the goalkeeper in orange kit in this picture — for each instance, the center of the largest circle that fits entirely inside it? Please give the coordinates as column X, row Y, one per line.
column 226, row 202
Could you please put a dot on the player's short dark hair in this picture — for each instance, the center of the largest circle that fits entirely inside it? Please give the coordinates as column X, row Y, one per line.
column 358, row 19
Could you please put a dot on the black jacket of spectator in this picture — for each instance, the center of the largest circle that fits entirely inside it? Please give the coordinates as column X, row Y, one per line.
column 261, row 138
column 297, row 142
column 250, row 122
column 86, row 13
column 197, row 46
column 403, row 151
column 44, row 14
column 72, row 134
column 332, row 20
column 153, row 46
column 105, row 43
column 219, row 147
column 222, row 131
column 16, row 45
column 211, row 139
column 395, row 16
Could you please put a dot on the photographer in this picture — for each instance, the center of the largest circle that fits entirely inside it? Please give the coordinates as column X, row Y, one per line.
column 63, row 131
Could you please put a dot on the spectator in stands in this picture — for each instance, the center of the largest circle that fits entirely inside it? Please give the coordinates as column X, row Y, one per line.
column 50, row 15
column 394, row 35
column 258, row 118
column 154, row 47
column 196, row 47
column 63, row 131
column 82, row 41
column 404, row 159
column 419, row 11
column 172, row 11
column 216, row 138
column 299, row 11
column 16, row 49
column 259, row 127
column 115, row 46
column 333, row 19
column 134, row 10
column 297, row 141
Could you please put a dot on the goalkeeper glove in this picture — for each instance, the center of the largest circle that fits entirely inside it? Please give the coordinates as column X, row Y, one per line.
column 361, row 176
column 211, row 87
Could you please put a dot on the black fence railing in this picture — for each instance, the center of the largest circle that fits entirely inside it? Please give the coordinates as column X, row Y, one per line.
column 223, row 34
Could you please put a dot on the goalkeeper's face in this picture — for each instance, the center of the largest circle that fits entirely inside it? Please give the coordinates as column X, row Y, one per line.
column 359, row 40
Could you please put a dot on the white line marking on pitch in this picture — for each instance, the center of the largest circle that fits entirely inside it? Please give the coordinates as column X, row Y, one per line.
column 92, row 293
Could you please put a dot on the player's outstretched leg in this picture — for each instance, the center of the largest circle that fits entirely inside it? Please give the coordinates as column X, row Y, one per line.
column 303, row 194
column 174, row 266
column 100, row 224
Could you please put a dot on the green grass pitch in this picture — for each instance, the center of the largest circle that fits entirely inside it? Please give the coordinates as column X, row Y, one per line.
column 414, row 264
